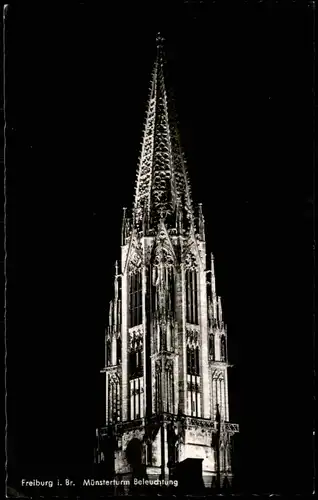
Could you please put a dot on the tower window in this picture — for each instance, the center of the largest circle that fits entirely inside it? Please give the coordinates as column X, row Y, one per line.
column 197, row 361
column 108, row 353
column 139, row 362
column 114, row 403
column 118, row 350
column 188, row 360
column 193, row 380
column 136, row 360
column 135, row 378
column 158, row 401
column 193, row 361
column 135, row 299
column 191, row 296
column 132, row 363
column 223, row 348
column 211, row 346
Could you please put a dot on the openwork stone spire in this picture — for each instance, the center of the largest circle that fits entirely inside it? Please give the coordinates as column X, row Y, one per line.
column 162, row 190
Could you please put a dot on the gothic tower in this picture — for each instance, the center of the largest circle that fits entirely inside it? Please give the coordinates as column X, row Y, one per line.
column 166, row 341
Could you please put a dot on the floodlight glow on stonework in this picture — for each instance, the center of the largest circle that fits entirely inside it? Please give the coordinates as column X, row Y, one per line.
column 166, row 342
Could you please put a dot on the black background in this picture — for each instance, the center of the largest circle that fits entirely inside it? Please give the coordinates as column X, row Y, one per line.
column 76, row 89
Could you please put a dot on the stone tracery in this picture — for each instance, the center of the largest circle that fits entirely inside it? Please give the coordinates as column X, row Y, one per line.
column 162, row 374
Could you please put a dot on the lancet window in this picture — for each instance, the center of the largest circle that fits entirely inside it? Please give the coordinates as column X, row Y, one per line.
column 119, row 315
column 135, row 298
column 114, row 403
column 193, row 374
column 218, row 394
column 136, row 375
column 108, row 352
column 210, row 315
column 118, row 350
column 193, row 360
column 158, row 400
column 136, row 355
column 212, row 346
column 169, row 384
column 136, row 398
column 223, row 348
column 191, row 296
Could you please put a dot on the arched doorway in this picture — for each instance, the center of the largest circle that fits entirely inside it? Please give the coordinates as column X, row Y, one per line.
column 134, row 453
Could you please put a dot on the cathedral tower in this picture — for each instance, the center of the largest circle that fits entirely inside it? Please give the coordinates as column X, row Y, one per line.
column 166, row 341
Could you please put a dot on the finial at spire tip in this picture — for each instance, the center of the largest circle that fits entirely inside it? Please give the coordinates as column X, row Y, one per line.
column 159, row 39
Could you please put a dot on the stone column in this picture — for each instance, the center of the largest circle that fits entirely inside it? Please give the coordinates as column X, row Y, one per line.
column 176, row 384
column 226, row 389
column 114, row 348
column 144, row 324
column 214, row 394
column 204, row 368
column 217, row 345
column 181, row 309
column 125, row 340
column 166, row 452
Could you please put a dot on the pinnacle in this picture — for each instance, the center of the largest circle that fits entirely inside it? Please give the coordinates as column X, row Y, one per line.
column 159, row 36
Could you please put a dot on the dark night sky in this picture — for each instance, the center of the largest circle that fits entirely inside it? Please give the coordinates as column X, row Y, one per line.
column 76, row 88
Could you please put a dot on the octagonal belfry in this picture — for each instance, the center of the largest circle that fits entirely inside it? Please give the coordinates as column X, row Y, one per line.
column 166, row 342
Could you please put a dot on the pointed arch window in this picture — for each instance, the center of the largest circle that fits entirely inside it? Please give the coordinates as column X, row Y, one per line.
column 114, row 401
column 132, row 364
column 171, row 294
column 135, row 299
column 223, row 348
column 119, row 315
column 193, row 380
column 188, row 360
column 193, row 360
column 170, row 390
column 218, row 395
column 118, row 349
column 158, row 400
column 197, row 362
column 135, row 372
column 108, row 352
column 212, row 346
column 191, row 283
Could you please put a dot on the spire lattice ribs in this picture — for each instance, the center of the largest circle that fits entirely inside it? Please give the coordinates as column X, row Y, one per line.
column 162, row 182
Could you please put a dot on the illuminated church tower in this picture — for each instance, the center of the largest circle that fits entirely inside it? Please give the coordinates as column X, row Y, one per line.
column 166, row 343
